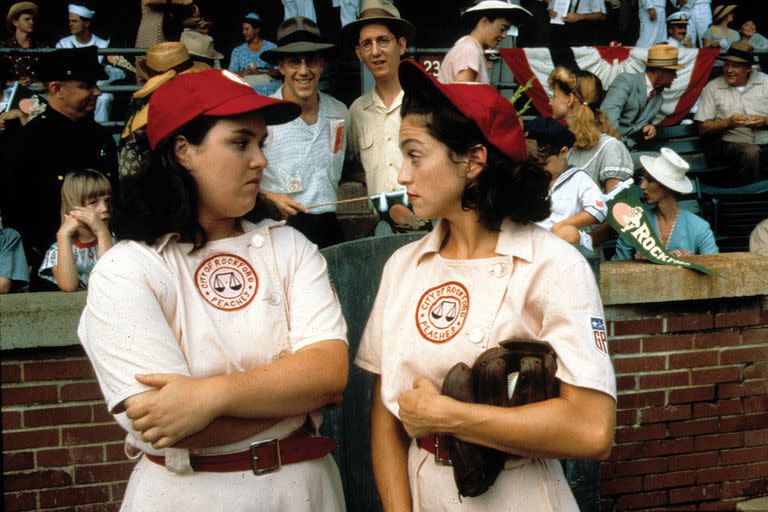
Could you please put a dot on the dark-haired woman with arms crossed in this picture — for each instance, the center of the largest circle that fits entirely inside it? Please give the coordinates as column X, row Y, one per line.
column 485, row 274
column 213, row 329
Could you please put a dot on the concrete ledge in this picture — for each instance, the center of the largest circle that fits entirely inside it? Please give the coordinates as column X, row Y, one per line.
column 631, row 282
column 46, row 319
column 756, row 504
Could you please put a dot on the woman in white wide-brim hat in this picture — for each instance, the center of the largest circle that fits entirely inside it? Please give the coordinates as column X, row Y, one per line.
column 681, row 231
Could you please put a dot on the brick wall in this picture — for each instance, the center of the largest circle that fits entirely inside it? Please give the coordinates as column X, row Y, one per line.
column 692, row 416
column 61, row 449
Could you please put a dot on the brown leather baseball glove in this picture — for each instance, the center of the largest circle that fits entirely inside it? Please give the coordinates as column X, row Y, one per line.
column 475, row 467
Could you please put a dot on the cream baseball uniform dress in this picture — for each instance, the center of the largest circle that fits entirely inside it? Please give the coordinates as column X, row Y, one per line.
column 431, row 313
column 236, row 304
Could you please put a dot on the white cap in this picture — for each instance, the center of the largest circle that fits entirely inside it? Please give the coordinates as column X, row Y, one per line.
column 81, row 11
column 669, row 169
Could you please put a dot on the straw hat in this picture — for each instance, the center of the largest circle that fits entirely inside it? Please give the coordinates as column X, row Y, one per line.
column 663, row 56
column 200, row 45
column 378, row 11
column 15, row 10
column 740, row 51
column 297, row 35
column 721, row 11
column 516, row 14
column 669, row 169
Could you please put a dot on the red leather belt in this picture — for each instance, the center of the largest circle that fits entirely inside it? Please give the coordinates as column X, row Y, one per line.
column 263, row 456
column 436, row 444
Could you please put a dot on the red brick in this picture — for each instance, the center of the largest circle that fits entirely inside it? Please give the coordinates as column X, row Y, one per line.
column 103, row 472
column 30, row 439
column 640, row 501
column 637, row 400
column 91, row 434
column 764, row 316
column 688, row 395
column 693, row 461
column 24, row 395
column 745, row 488
column 744, row 455
column 721, row 408
column 756, row 437
column 642, row 326
column 719, row 505
column 720, row 474
column 693, row 428
column 73, row 496
column 669, row 413
column 57, row 416
column 11, row 420
column 639, row 364
column 715, row 375
column 18, row 461
column 624, row 346
column 70, row 456
column 758, row 470
column 668, row 343
column 719, row 441
column 626, row 417
column 621, row 485
column 609, row 470
column 743, row 422
column 626, row 383
column 99, row 507
column 16, row 501
column 737, row 318
column 690, row 322
column 717, row 339
column 749, row 388
column 80, row 391
column 626, row 451
column 693, row 359
column 667, row 480
column 754, row 336
column 664, row 380
column 694, row 494
column 10, row 373
column 755, row 404
column 118, row 490
column 101, row 414
column 36, row 480
column 641, row 433
column 743, row 355
column 115, row 452
column 59, row 370
column 667, row 447
column 756, row 371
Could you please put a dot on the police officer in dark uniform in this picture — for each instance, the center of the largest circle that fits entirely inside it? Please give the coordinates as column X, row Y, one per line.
column 64, row 138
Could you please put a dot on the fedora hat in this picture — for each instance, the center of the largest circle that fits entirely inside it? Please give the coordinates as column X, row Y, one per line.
column 669, row 169
column 72, row 64
column 378, row 11
column 663, row 56
column 163, row 57
column 199, row 45
column 721, row 11
column 15, row 10
column 297, row 35
column 516, row 14
column 740, row 51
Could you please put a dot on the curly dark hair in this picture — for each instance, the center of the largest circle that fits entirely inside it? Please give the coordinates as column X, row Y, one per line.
column 162, row 197
column 506, row 188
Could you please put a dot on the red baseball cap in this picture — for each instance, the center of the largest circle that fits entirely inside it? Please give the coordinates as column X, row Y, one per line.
column 211, row 93
column 492, row 113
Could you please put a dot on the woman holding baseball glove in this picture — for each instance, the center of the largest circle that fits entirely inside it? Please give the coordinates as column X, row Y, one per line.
column 484, row 275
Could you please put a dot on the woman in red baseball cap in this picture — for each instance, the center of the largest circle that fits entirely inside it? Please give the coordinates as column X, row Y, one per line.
column 485, row 274
column 212, row 327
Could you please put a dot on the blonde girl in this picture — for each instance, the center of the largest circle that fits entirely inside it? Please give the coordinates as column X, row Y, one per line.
column 84, row 234
column 576, row 98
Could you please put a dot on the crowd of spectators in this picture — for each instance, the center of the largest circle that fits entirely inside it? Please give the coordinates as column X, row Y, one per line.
column 54, row 140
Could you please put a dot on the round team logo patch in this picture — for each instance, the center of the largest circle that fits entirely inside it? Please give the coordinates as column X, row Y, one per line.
column 226, row 282
column 442, row 311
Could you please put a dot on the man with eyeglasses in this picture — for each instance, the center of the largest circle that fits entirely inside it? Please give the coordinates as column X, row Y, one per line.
column 379, row 37
column 305, row 155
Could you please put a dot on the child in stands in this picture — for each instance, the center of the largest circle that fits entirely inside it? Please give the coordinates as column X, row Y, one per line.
column 84, row 234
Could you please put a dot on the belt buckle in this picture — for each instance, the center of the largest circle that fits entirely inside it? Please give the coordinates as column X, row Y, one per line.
column 438, row 460
column 255, row 458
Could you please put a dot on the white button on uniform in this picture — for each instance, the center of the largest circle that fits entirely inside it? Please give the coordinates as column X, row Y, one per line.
column 274, row 299
column 257, row 240
column 476, row 335
column 498, row 270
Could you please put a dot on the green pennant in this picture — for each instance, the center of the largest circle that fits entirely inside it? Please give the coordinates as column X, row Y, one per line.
column 627, row 216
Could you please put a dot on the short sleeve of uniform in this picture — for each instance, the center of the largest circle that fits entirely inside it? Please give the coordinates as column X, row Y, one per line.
column 706, row 110
column 123, row 327
column 615, row 162
column 591, row 199
column 574, row 324
column 314, row 309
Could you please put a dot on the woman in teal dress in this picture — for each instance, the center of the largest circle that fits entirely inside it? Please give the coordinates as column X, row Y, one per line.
column 682, row 232
column 719, row 35
column 246, row 59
